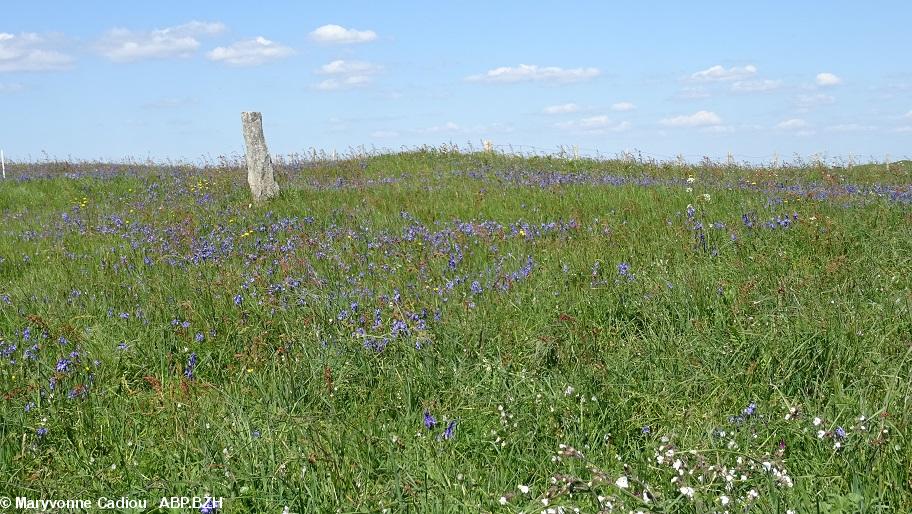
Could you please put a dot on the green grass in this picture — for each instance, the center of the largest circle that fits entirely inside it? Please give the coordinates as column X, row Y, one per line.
column 287, row 407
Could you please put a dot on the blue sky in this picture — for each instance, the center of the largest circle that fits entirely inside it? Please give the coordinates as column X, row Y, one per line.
column 168, row 79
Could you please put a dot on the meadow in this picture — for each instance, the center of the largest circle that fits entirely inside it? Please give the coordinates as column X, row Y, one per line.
column 447, row 331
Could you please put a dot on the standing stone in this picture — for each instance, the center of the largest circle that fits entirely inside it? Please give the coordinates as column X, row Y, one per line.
column 259, row 166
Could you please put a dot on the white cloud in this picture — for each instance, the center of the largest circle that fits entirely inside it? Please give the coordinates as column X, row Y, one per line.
column 593, row 124
column 692, row 93
column 908, row 115
column 454, row 128
column 792, row 124
column 851, row 127
column 336, row 34
column 623, row 106
column 122, row 45
column 755, row 86
column 341, row 67
column 30, row 52
column 719, row 72
column 249, row 52
column 535, row 73
column 343, row 83
column 384, row 134
column 719, row 129
column 806, row 102
column 904, row 128
column 346, row 74
column 697, row 119
column 448, row 127
column 828, row 79
column 561, row 109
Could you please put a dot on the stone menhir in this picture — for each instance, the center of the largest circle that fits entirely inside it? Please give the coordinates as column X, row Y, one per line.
column 260, row 174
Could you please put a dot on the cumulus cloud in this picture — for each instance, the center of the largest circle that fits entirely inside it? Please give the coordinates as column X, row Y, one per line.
column 623, row 106
column 755, row 86
column 692, row 93
column 851, row 127
column 342, row 67
column 448, row 127
column 30, row 52
column 346, row 74
column 336, row 34
column 593, row 124
column 455, row 128
column 535, row 73
column 806, row 102
column 792, row 124
column 697, row 119
column 719, row 72
column 561, row 109
column 384, row 134
column 123, row 45
column 828, row 79
column 249, row 52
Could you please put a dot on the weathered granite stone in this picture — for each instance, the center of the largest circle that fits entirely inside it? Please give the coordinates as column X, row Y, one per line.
column 260, row 174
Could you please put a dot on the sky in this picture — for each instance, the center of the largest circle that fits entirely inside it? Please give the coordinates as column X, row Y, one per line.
column 167, row 80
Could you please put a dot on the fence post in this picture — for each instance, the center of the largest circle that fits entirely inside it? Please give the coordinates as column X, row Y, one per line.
column 260, row 174
column 3, row 163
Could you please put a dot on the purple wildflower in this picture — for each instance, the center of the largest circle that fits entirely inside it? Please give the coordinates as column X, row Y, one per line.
column 429, row 420
column 450, row 430
column 191, row 366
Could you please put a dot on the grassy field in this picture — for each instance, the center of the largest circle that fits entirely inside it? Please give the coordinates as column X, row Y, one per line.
column 435, row 331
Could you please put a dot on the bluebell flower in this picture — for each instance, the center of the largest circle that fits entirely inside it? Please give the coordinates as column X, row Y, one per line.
column 450, row 430
column 199, row 337
column 238, row 299
column 208, row 507
column 191, row 365
column 429, row 420
column 122, row 345
column 41, row 432
column 63, row 365
column 476, row 287
column 840, row 432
